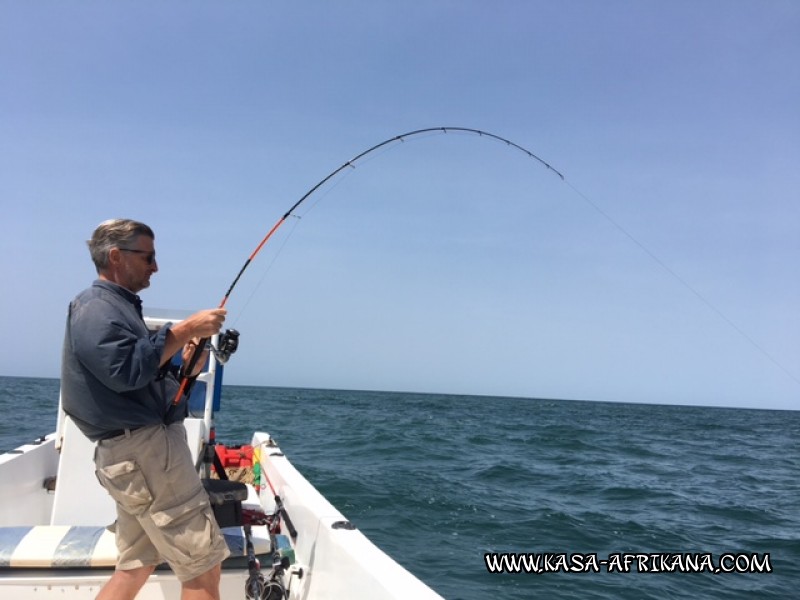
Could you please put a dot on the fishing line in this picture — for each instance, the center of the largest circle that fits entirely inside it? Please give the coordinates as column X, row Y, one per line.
column 269, row 266
column 684, row 283
column 297, row 219
column 429, row 132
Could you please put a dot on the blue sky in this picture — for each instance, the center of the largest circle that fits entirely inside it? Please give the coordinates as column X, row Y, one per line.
column 449, row 263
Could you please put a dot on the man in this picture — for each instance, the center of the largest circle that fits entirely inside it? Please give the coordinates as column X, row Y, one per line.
column 117, row 387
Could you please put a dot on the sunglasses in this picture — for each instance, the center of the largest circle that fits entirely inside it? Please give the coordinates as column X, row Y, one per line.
column 150, row 257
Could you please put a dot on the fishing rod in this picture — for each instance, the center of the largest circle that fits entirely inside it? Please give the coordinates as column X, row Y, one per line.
column 280, row 509
column 351, row 163
column 187, row 381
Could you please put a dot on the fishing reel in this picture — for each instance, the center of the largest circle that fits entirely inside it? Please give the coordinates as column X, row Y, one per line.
column 227, row 345
column 258, row 587
column 261, row 587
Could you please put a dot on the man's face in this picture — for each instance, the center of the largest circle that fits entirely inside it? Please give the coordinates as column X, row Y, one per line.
column 137, row 264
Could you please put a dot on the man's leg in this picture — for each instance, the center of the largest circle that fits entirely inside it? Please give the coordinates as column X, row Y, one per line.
column 124, row 585
column 203, row 587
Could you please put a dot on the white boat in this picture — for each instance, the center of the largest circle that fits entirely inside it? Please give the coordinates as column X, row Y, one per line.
column 55, row 540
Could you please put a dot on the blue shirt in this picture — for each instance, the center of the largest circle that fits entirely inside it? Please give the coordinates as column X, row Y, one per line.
column 110, row 374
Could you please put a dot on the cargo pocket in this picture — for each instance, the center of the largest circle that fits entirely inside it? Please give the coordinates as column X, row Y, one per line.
column 127, row 486
column 186, row 527
column 172, row 516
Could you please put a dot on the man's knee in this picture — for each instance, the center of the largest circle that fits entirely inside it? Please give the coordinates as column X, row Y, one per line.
column 125, row 584
column 208, row 581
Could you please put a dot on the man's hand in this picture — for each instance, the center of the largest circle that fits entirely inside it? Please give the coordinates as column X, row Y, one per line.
column 202, row 324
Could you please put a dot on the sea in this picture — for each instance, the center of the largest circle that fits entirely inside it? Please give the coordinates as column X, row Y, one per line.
column 561, row 499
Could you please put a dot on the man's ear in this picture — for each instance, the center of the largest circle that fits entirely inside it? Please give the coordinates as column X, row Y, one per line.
column 114, row 256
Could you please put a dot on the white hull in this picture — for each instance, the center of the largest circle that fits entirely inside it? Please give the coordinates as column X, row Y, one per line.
column 329, row 562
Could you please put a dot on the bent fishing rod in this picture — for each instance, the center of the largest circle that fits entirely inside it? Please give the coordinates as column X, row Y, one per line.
column 187, row 381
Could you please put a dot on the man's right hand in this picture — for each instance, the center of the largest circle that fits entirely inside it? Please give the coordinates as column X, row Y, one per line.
column 205, row 323
column 202, row 324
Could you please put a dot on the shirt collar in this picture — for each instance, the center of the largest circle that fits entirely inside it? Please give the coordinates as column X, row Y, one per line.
column 128, row 295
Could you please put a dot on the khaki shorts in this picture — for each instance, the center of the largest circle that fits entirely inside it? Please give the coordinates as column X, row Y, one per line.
column 163, row 512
